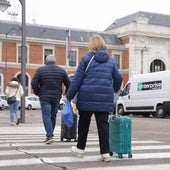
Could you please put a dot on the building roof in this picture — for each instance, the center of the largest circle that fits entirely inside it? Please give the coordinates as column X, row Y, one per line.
column 55, row 33
column 153, row 19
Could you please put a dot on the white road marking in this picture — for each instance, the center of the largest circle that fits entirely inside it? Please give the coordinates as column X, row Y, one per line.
column 15, row 162
column 36, row 143
column 20, row 141
column 135, row 167
column 67, row 150
column 69, row 159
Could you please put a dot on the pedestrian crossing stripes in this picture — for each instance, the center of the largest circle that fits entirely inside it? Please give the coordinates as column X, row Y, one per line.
column 30, row 150
column 139, row 167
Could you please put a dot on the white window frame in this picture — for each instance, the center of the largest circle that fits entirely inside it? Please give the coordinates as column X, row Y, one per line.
column 47, row 48
column 76, row 50
column 120, row 58
column 17, row 55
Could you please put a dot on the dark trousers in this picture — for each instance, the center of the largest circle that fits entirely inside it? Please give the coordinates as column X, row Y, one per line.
column 102, row 126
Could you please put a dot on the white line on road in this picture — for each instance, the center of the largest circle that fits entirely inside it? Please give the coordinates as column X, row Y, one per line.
column 90, row 142
column 66, row 150
column 76, row 159
column 134, row 167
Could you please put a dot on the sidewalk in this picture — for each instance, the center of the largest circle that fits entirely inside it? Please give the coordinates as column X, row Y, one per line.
column 33, row 123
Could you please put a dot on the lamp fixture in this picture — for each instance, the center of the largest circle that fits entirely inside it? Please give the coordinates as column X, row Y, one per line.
column 4, row 4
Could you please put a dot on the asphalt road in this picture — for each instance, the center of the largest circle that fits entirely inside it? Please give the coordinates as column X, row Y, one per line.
column 22, row 147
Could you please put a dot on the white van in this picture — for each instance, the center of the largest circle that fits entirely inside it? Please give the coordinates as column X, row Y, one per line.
column 146, row 94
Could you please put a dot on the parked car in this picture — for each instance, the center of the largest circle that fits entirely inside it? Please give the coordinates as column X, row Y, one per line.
column 32, row 102
column 62, row 101
column 3, row 102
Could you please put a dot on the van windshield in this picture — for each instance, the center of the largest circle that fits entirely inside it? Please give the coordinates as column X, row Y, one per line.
column 126, row 90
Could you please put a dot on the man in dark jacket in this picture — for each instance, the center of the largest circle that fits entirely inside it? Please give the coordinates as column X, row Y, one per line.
column 47, row 84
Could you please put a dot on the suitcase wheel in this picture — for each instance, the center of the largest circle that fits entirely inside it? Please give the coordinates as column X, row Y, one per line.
column 120, row 156
column 61, row 139
column 129, row 155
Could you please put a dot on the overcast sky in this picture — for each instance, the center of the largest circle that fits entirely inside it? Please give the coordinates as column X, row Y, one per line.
column 82, row 14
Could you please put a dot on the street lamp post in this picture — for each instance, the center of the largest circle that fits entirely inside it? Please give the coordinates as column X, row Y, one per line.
column 6, row 51
column 23, row 61
column 4, row 4
column 68, row 48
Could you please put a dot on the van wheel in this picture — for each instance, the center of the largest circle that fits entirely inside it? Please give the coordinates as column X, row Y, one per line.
column 154, row 114
column 120, row 110
column 29, row 107
column 160, row 112
column 2, row 107
column 61, row 107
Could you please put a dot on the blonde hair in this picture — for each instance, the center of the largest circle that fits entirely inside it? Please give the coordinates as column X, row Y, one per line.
column 96, row 42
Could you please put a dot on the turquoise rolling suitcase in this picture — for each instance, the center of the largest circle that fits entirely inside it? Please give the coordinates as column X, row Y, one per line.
column 120, row 135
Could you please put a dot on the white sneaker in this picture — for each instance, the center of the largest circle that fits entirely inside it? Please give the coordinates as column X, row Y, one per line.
column 105, row 157
column 79, row 152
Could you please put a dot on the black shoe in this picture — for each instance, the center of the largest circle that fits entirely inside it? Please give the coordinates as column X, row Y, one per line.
column 49, row 140
column 18, row 121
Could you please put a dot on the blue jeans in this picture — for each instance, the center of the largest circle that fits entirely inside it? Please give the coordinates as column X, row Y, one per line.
column 49, row 108
column 14, row 113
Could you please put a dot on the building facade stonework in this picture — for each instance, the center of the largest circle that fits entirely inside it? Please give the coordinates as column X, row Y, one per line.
column 139, row 43
column 146, row 37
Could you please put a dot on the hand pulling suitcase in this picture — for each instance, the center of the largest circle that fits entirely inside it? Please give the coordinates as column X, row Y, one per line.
column 69, row 133
column 120, row 135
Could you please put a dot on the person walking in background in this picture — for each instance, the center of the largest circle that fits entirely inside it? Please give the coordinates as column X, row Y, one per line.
column 14, row 88
column 95, row 86
column 47, row 84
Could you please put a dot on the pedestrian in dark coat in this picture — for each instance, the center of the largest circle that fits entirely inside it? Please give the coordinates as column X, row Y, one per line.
column 47, row 84
column 95, row 87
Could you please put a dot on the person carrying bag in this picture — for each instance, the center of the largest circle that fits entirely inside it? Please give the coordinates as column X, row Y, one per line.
column 14, row 92
column 12, row 99
column 68, row 115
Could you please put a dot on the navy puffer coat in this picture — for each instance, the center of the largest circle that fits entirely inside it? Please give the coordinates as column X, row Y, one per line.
column 97, row 85
column 47, row 81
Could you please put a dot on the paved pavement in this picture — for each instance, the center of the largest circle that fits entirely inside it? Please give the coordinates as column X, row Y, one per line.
column 32, row 128
column 21, row 148
column 32, row 125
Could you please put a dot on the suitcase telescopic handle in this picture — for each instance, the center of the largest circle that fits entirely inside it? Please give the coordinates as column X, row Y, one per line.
column 116, row 110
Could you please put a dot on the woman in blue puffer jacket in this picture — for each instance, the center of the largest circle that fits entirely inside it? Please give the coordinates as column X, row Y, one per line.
column 95, row 81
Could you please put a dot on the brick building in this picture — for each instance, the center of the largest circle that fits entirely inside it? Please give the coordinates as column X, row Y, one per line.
column 139, row 43
column 43, row 40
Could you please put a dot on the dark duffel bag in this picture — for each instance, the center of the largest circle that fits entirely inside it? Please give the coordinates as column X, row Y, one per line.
column 69, row 133
column 11, row 100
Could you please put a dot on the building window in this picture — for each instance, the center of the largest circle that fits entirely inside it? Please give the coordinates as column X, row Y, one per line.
column 157, row 65
column 73, row 58
column 19, row 55
column 116, row 57
column 47, row 52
